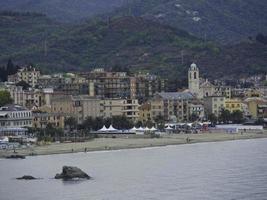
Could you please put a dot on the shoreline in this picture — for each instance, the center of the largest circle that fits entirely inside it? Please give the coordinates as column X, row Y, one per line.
column 109, row 144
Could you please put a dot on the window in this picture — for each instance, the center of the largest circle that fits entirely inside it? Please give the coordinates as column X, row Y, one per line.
column 195, row 75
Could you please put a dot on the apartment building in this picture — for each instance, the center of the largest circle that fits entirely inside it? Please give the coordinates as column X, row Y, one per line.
column 118, row 107
column 171, row 105
column 28, row 74
column 214, row 105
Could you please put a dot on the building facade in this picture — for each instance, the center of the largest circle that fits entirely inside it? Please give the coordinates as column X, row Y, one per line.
column 171, row 105
column 41, row 120
column 15, row 116
column 117, row 107
column 29, row 75
column 214, row 105
column 233, row 105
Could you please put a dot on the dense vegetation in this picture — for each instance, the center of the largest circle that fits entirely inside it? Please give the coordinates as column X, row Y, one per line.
column 5, row 98
column 225, row 21
column 124, row 42
column 63, row 10
column 220, row 20
column 9, row 69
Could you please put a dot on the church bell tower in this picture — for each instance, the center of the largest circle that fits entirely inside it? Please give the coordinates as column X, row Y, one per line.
column 193, row 79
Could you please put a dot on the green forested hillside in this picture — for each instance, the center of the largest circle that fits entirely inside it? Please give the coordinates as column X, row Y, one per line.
column 225, row 21
column 131, row 42
column 63, row 10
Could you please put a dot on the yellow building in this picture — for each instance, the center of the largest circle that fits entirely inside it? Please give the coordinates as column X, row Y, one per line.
column 41, row 120
column 233, row 105
column 145, row 113
column 253, row 104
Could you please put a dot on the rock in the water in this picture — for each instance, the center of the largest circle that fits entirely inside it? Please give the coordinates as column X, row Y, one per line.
column 69, row 173
column 26, row 177
column 15, row 157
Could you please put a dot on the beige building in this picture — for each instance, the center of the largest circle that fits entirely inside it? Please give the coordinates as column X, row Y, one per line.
column 120, row 85
column 86, row 106
column 41, row 120
column 81, row 106
column 28, row 74
column 31, row 98
column 207, row 89
column 256, row 106
column 118, row 107
column 145, row 113
column 171, row 105
column 214, row 105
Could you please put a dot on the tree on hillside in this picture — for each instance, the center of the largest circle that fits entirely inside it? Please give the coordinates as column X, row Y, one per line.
column 5, row 98
column 11, row 68
column 261, row 38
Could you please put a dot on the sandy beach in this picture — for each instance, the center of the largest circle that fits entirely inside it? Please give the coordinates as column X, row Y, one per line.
column 100, row 144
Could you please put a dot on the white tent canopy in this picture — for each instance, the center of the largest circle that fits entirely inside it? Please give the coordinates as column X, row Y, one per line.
column 153, row 129
column 147, row 129
column 169, row 128
column 103, row 129
column 111, row 128
column 133, row 129
column 140, row 129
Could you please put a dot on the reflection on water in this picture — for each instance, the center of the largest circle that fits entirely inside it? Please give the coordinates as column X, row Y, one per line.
column 223, row 170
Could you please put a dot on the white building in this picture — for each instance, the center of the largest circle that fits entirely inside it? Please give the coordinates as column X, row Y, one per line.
column 14, row 116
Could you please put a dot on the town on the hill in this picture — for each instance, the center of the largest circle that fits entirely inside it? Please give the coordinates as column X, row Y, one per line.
column 77, row 106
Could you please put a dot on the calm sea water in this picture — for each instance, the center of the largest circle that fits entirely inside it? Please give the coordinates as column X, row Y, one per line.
column 226, row 170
